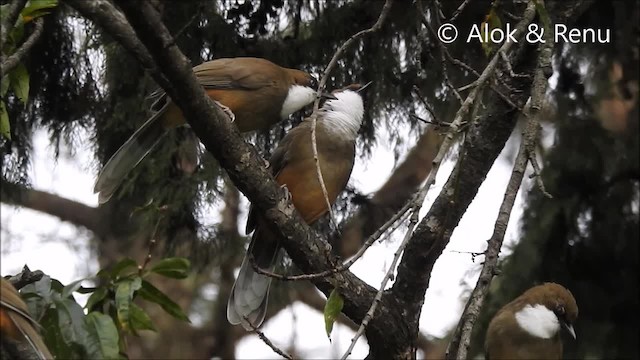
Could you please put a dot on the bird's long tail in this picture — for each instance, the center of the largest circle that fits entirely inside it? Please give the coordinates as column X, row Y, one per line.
column 250, row 292
column 129, row 155
column 15, row 322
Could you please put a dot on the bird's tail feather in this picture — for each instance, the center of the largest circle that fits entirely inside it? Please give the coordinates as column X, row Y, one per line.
column 250, row 292
column 129, row 155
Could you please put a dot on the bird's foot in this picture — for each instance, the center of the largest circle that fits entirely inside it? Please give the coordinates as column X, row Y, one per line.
column 227, row 111
column 287, row 193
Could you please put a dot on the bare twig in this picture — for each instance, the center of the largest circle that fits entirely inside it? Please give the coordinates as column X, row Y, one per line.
column 416, row 205
column 459, row 10
column 266, row 340
column 152, row 241
column 459, row 345
column 10, row 18
column 390, row 224
column 12, row 61
column 321, row 86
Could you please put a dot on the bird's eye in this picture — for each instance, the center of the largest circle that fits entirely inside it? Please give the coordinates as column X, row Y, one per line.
column 560, row 310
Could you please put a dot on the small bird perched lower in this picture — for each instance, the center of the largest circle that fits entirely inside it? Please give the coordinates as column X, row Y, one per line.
column 16, row 324
column 529, row 326
column 293, row 166
column 255, row 92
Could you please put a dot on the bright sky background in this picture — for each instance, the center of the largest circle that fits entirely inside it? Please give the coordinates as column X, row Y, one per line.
column 58, row 248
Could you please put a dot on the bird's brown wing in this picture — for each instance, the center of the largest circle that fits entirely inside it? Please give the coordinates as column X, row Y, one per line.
column 238, row 73
column 278, row 161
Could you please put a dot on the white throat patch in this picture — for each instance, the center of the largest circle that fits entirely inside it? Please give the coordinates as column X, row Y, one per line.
column 344, row 114
column 538, row 320
column 298, row 97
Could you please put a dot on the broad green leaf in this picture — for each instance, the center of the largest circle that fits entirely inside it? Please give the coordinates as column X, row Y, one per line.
column 19, row 78
column 124, row 297
column 332, row 309
column 140, row 320
column 71, row 288
column 153, row 294
column 5, row 124
column 37, row 8
column 102, row 341
column 53, row 336
column 96, row 298
column 71, row 324
column 38, row 296
column 121, row 266
column 176, row 268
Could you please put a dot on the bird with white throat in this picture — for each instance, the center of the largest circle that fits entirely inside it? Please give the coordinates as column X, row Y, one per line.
column 293, row 165
column 529, row 327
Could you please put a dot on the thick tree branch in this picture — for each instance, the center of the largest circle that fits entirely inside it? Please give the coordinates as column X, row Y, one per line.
column 459, row 346
column 63, row 208
column 486, row 138
column 12, row 61
column 387, row 333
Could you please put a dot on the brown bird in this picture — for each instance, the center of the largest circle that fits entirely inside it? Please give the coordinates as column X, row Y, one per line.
column 529, row 326
column 255, row 92
column 293, row 166
column 15, row 323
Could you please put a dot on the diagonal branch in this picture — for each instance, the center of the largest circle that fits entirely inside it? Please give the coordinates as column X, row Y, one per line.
column 311, row 253
column 10, row 19
column 486, row 138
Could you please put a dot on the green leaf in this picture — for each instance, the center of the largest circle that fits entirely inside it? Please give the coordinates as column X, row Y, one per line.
column 176, row 268
column 53, row 336
column 124, row 297
column 37, row 8
column 332, row 309
column 71, row 324
column 5, row 124
column 71, row 288
column 121, row 266
column 102, row 336
column 140, row 320
column 96, row 298
column 38, row 296
column 19, row 78
column 153, row 294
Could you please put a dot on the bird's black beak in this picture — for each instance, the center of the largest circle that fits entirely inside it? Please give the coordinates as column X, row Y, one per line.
column 570, row 329
column 364, row 86
column 327, row 95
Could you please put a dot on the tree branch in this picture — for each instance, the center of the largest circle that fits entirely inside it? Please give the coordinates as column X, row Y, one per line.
column 63, row 208
column 10, row 19
column 388, row 334
column 12, row 61
column 486, row 138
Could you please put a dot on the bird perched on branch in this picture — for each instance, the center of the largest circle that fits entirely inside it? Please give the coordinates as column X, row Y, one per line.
column 255, row 92
column 529, row 327
column 293, row 166
column 16, row 325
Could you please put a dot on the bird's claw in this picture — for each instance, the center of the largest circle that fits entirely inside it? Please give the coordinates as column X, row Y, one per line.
column 227, row 111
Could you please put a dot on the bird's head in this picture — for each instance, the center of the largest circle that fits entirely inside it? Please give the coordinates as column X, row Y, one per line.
column 344, row 112
column 556, row 299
